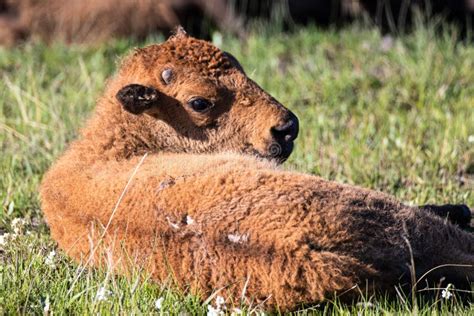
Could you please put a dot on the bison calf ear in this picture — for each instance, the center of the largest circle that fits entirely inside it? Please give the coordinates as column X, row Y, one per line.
column 136, row 98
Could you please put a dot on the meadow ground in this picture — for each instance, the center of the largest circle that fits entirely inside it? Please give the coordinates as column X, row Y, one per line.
column 392, row 114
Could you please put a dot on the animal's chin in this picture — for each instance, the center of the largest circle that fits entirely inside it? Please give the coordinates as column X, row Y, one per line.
column 275, row 152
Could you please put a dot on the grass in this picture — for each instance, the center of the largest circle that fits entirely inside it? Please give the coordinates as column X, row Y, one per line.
column 392, row 114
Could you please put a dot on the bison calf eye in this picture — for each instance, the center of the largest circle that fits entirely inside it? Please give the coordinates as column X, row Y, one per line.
column 200, row 104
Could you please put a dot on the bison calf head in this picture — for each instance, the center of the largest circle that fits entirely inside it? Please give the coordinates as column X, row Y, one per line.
column 189, row 96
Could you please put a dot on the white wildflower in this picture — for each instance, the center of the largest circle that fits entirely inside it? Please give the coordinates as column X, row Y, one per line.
column 50, row 259
column 470, row 139
column 219, row 309
column 237, row 238
column 4, row 239
column 18, row 224
column 189, row 220
column 102, row 294
column 46, row 305
column 159, row 303
column 446, row 293
column 220, row 301
column 365, row 304
column 236, row 311
column 211, row 311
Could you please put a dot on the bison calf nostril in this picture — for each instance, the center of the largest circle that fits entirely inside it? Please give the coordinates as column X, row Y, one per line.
column 285, row 127
column 287, row 131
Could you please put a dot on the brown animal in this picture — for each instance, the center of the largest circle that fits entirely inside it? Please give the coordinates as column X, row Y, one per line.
column 170, row 174
column 95, row 21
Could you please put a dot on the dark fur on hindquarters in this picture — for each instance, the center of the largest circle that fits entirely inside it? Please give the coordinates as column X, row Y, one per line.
column 458, row 214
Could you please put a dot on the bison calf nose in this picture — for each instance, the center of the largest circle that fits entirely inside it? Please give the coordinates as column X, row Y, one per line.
column 287, row 131
column 284, row 135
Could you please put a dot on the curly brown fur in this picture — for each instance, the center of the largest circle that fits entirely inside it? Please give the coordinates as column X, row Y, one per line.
column 202, row 209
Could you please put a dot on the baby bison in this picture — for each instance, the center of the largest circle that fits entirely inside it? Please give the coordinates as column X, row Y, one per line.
column 176, row 172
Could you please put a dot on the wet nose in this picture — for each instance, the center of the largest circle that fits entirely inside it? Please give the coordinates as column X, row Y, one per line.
column 287, row 131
